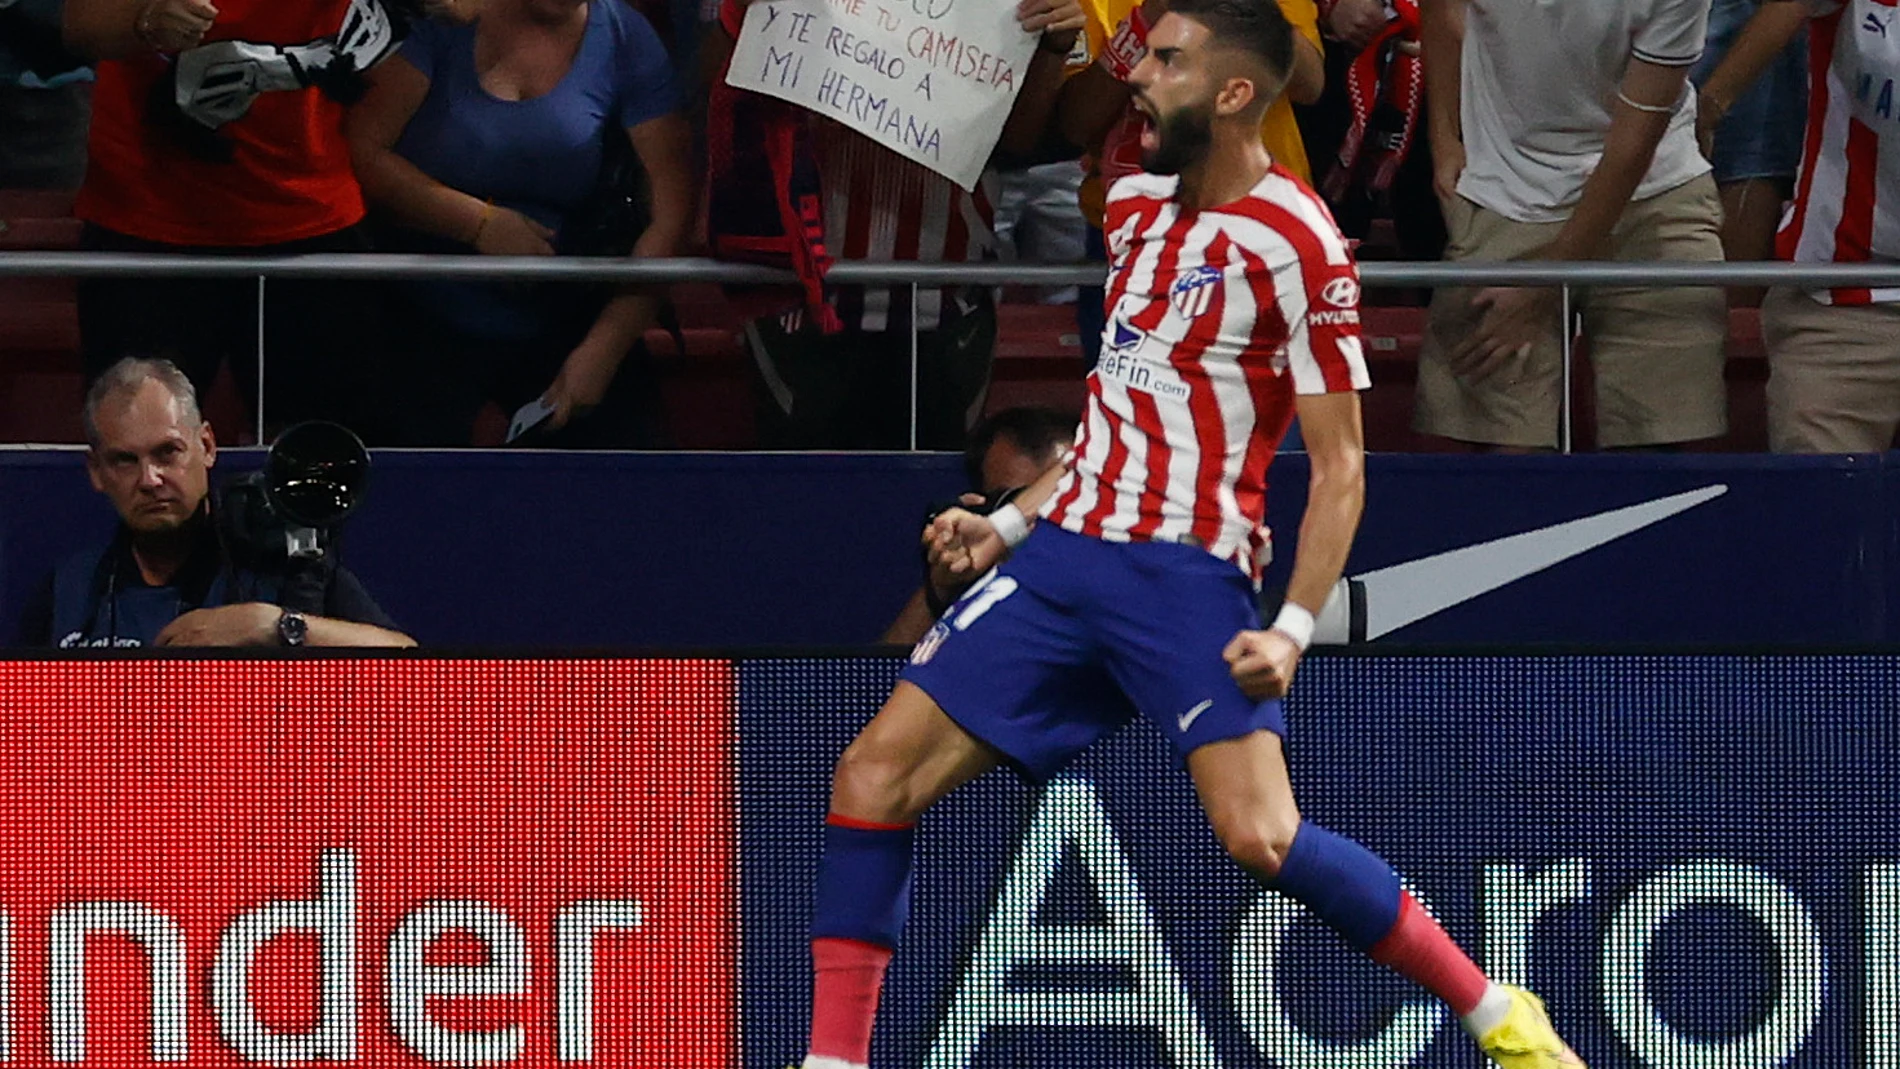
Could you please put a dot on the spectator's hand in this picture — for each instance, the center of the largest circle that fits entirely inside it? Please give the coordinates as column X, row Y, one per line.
column 581, row 383
column 1709, row 113
column 1356, row 22
column 1448, row 162
column 174, row 25
column 252, row 623
column 1059, row 21
column 1262, row 662
column 510, row 233
column 1509, row 322
column 966, row 543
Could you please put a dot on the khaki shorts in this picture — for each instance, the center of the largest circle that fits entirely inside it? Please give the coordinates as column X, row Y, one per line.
column 1657, row 353
column 1833, row 374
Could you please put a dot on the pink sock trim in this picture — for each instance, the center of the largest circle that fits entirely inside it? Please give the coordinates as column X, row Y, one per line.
column 1419, row 950
column 847, row 976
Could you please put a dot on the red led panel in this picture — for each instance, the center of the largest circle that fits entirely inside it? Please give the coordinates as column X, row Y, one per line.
column 385, row 862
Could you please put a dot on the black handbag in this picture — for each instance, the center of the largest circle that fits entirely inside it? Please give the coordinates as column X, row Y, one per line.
column 618, row 210
column 612, row 218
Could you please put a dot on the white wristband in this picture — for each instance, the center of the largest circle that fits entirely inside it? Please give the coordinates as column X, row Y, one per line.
column 1010, row 524
column 1295, row 623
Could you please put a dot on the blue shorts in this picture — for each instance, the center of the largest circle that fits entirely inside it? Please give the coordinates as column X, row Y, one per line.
column 1760, row 137
column 1073, row 635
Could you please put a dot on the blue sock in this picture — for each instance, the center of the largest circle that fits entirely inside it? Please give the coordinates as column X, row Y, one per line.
column 1343, row 883
column 863, row 882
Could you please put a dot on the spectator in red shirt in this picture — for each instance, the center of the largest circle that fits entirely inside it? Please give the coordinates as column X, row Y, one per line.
column 219, row 129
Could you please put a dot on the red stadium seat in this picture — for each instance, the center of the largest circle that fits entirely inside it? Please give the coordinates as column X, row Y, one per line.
column 40, row 382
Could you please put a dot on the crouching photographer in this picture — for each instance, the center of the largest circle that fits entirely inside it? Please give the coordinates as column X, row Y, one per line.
column 255, row 568
column 1006, row 452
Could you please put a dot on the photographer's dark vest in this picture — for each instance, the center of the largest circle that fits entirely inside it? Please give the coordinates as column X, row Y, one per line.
column 100, row 600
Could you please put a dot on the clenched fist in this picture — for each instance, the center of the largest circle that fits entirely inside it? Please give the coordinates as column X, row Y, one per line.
column 1262, row 662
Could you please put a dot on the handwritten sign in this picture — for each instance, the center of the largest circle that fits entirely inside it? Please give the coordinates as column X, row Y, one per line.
column 932, row 80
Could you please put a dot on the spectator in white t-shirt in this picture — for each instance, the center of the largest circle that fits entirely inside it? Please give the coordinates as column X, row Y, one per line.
column 1565, row 130
column 1834, row 354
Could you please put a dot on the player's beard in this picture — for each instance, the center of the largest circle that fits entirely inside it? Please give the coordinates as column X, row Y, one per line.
column 1182, row 138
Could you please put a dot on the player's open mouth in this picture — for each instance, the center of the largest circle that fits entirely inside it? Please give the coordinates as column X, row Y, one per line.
column 1150, row 137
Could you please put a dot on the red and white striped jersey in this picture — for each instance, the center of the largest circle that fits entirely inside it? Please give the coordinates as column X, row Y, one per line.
column 881, row 206
column 1847, row 199
column 1215, row 321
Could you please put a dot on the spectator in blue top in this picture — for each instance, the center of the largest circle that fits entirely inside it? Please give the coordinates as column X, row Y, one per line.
column 490, row 134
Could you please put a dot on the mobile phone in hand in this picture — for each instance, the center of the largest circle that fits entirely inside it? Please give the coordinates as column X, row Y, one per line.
column 529, row 418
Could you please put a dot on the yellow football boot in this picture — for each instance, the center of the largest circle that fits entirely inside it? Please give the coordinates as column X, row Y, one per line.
column 1525, row 1038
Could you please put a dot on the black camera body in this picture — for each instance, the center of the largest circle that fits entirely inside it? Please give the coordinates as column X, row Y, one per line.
column 285, row 520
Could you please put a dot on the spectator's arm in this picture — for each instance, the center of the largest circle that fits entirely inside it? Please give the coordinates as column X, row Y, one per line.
column 1768, row 31
column 1058, row 23
column 254, row 623
column 115, row 29
column 664, row 145
column 393, row 185
column 912, row 623
column 1640, row 116
column 1442, row 40
column 1032, row 117
column 1307, row 80
column 353, row 618
column 329, row 631
column 1510, row 319
column 1088, row 106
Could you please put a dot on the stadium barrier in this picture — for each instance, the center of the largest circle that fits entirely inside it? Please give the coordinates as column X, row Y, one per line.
column 554, row 550
column 572, row 861
column 913, row 276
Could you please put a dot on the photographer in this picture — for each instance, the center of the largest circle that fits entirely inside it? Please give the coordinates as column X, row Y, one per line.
column 166, row 577
column 1006, row 452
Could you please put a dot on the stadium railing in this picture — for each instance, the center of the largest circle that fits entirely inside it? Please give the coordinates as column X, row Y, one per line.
column 1567, row 276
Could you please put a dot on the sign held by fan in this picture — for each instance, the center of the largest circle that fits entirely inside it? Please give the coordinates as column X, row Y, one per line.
column 932, row 80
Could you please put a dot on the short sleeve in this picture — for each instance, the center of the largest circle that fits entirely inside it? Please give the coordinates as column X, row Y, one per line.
column 1096, row 30
column 347, row 599
column 1303, row 16
column 1307, row 271
column 423, row 47
column 1674, row 34
column 646, row 90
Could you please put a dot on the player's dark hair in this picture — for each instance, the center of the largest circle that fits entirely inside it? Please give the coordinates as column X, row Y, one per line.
column 1254, row 25
column 1036, row 429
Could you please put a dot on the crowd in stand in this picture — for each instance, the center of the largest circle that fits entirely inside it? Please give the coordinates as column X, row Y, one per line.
column 1483, row 129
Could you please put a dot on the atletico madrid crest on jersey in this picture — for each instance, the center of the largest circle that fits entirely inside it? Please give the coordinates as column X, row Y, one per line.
column 1194, row 291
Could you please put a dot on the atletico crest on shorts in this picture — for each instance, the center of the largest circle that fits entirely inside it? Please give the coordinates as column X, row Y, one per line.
column 1194, row 291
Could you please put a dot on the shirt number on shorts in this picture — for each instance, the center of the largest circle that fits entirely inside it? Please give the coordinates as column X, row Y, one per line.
column 983, row 599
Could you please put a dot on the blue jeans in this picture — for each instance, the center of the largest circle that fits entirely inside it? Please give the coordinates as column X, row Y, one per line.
column 1760, row 137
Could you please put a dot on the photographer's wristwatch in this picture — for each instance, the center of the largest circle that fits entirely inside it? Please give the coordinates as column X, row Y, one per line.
column 292, row 628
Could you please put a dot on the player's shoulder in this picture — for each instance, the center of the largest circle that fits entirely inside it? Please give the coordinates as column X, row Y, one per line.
column 1143, row 186
column 1282, row 210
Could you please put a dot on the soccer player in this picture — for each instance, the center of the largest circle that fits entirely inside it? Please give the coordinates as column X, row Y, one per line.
column 1232, row 303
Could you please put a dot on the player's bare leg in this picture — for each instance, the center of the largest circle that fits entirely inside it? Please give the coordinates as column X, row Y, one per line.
column 907, row 758
column 1244, row 787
